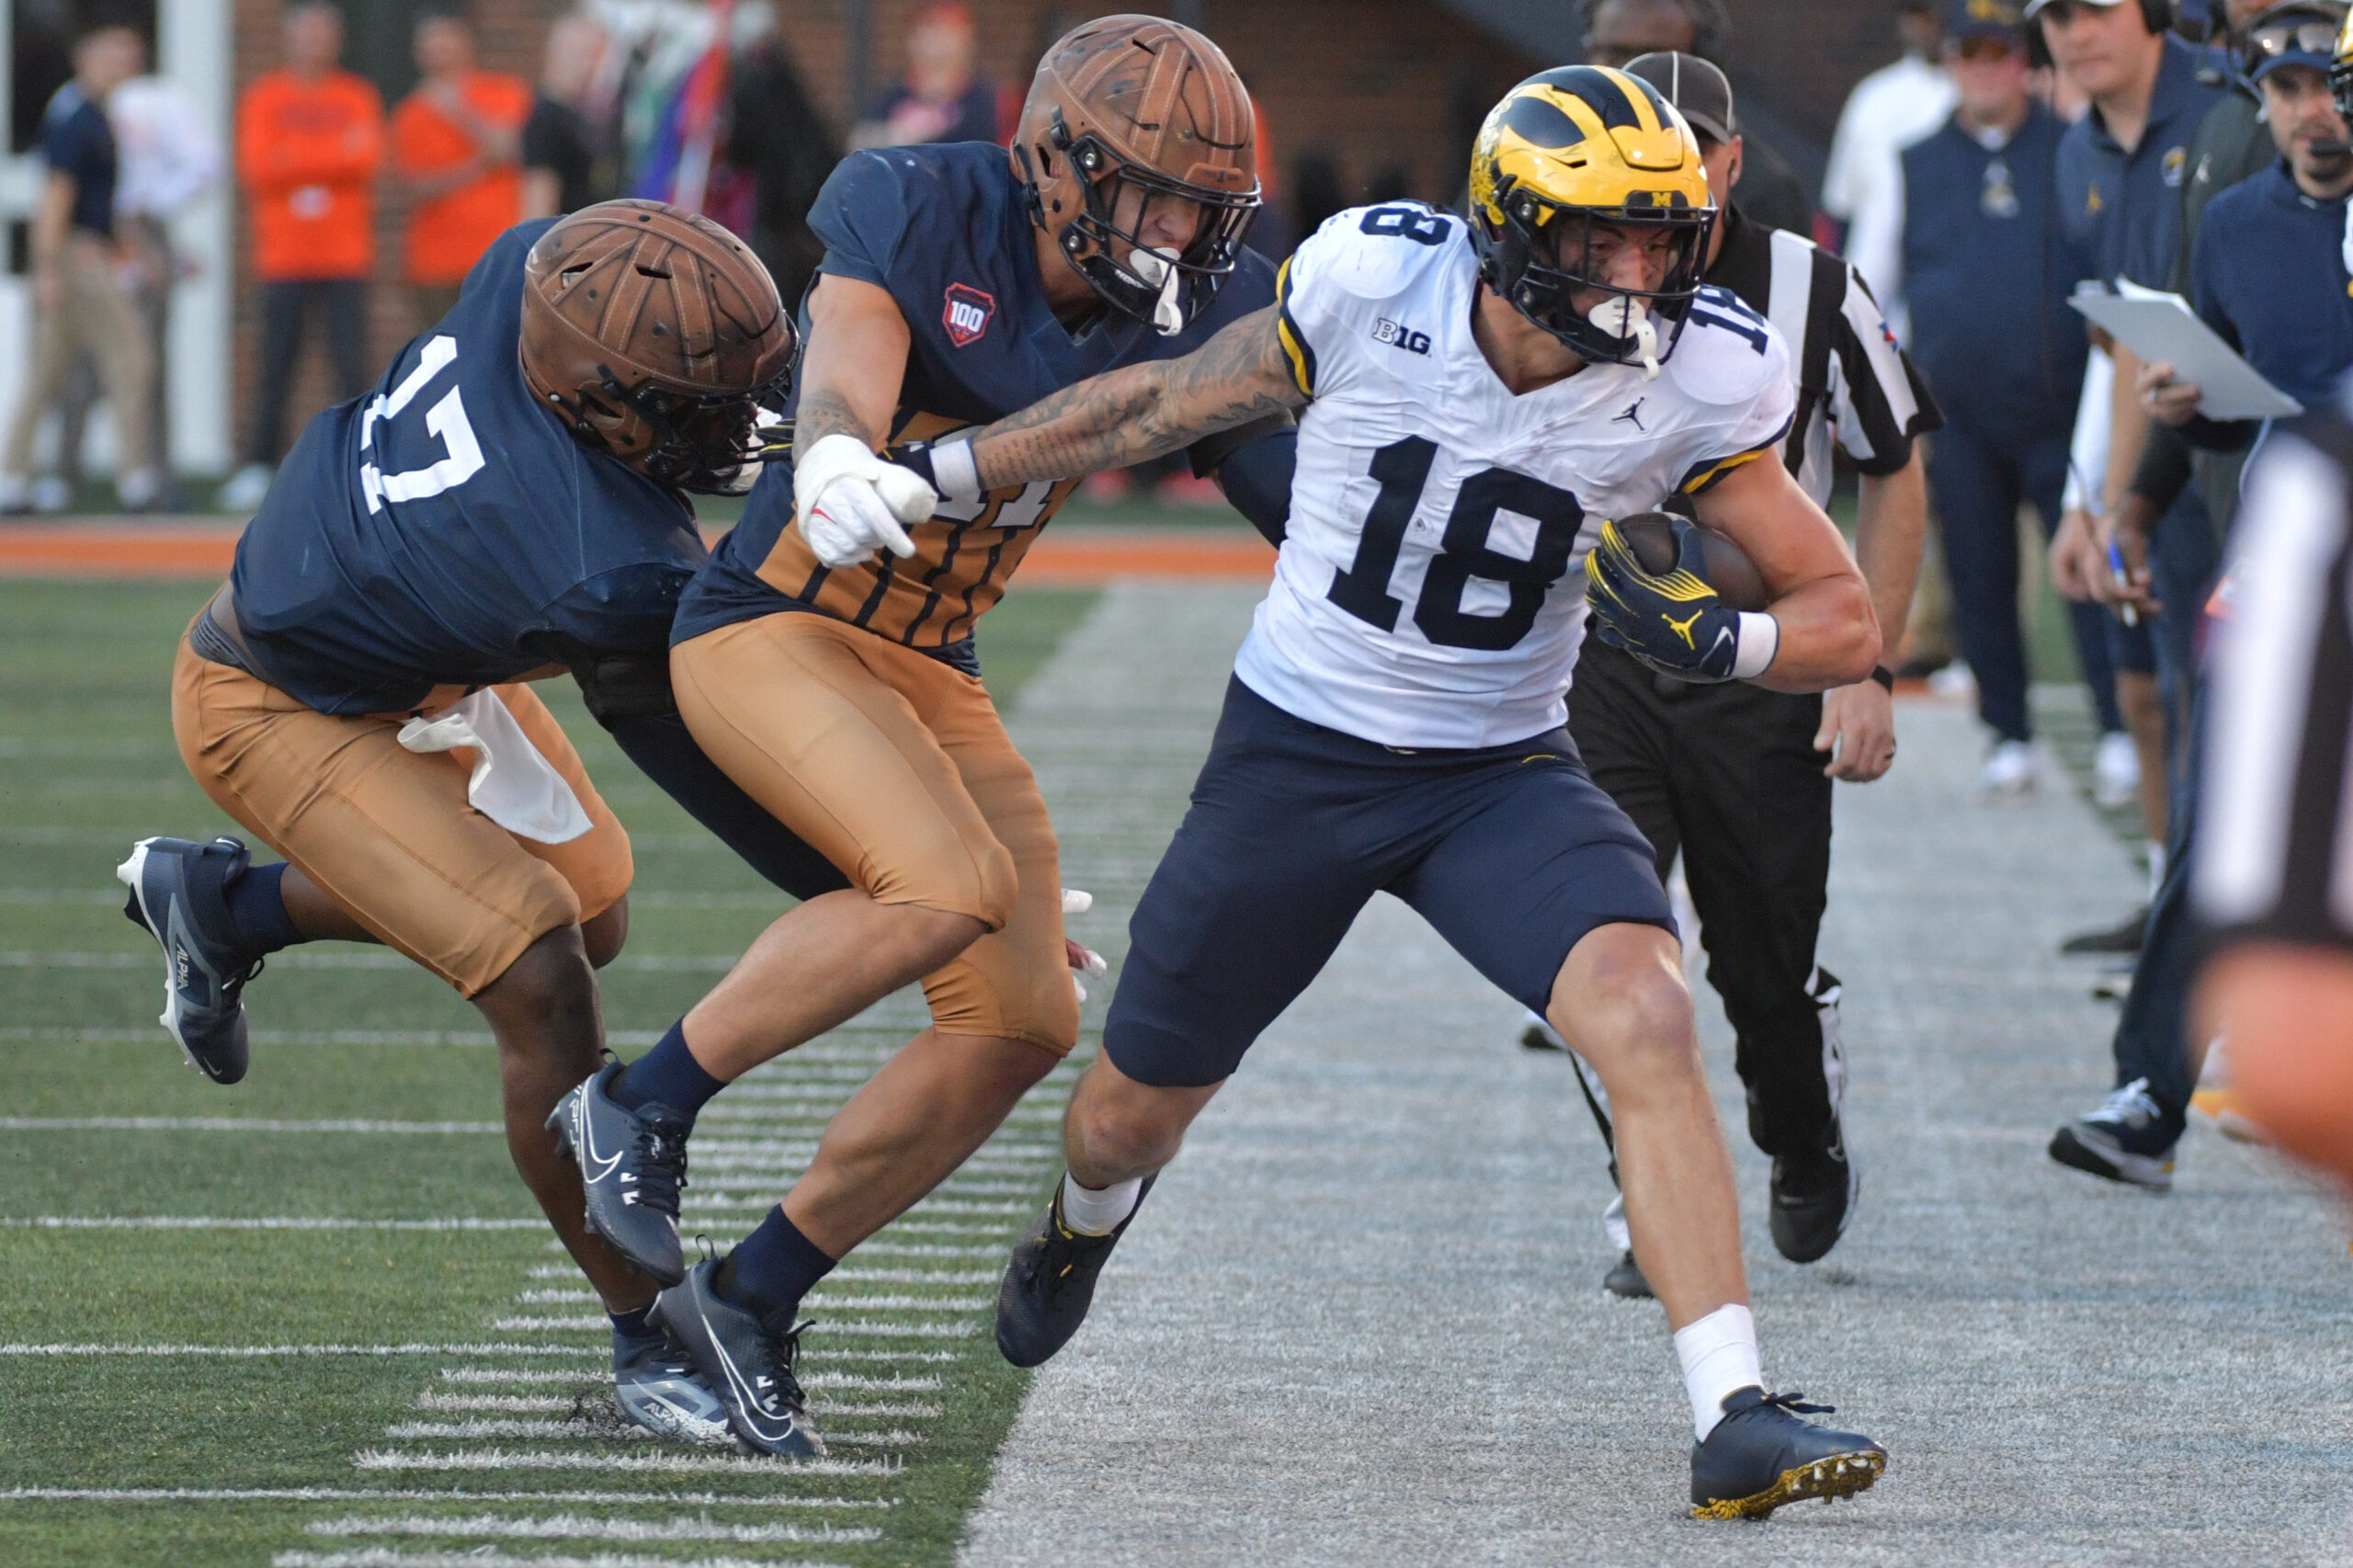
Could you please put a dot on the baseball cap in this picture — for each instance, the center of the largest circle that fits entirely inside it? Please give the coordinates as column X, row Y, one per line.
column 2301, row 32
column 2036, row 7
column 1985, row 18
column 1693, row 86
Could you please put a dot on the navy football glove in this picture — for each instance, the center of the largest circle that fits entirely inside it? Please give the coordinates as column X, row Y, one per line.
column 1673, row 621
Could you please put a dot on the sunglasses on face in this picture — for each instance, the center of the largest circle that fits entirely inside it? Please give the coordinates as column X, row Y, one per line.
column 2304, row 35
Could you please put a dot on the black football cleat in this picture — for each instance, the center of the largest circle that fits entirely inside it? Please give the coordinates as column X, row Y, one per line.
column 1627, row 1279
column 1811, row 1201
column 1761, row 1456
column 2128, row 1140
column 748, row 1367
column 632, row 1163
column 179, row 896
column 1050, row 1283
column 657, row 1386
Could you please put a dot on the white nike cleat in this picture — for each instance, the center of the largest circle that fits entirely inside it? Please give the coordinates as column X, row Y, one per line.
column 2009, row 771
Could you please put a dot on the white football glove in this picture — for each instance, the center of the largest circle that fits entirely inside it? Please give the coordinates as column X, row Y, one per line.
column 1083, row 960
column 850, row 503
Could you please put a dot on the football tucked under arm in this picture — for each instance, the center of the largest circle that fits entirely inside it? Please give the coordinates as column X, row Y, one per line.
column 1129, row 415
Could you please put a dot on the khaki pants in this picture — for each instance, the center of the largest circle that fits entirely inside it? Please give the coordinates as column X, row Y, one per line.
column 97, row 316
column 896, row 769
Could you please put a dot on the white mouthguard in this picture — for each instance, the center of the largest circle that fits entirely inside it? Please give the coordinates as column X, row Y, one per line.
column 1625, row 316
column 1157, row 268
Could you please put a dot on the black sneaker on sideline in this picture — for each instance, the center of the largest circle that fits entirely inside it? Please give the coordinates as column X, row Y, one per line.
column 1811, row 1201
column 1761, row 1456
column 1050, row 1282
column 2125, row 938
column 749, row 1368
column 632, row 1163
column 2127, row 1140
column 1626, row 1279
column 179, row 896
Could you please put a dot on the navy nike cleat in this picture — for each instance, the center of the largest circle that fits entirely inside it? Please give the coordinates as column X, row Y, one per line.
column 178, row 895
column 1050, row 1282
column 1813, row 1201
column 632, row 1163
column 1626, row 1280
column 1761, row 1456
column 2127, row 1140
column 657, row 1387
column 747, row 1367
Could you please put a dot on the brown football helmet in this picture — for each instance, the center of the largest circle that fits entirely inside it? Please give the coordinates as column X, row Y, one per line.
column 1138, row 101
column 657, row 336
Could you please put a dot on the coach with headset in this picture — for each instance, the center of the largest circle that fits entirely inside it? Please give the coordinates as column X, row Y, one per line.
column 1739, row 778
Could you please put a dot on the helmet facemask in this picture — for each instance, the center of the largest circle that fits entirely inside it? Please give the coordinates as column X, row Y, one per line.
column 1545, row 256
column 1164, row 290
column 713, row 444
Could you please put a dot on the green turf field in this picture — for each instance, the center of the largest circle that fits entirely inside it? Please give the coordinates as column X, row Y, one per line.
column 404, row 1349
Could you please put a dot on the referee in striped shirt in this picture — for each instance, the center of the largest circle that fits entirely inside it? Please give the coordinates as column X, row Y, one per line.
column 2272, row 873
column 1737, row 779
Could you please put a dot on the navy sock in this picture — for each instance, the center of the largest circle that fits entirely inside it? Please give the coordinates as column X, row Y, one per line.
column 772, row 1269
column 631, row 1331
column 257, row 910
column 667, row 1075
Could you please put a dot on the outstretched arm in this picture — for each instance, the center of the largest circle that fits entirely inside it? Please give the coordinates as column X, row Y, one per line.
column 1134, row 414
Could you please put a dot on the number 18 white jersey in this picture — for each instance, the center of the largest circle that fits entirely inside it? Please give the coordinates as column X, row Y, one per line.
column 1423, row 596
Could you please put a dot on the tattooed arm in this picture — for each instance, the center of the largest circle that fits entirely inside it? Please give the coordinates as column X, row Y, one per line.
column 1132, row 416
column 856, row 361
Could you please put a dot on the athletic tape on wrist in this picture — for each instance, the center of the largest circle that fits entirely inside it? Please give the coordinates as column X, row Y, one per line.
column 1760, row 639
column 955, row 472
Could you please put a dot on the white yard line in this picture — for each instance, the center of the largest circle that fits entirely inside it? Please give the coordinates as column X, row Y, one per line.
column 583, row 1459
column 275, row 1222
column 270, row 1350
column 361, row 1494
column 230, row 1124
column 386, row 1557
column 582, row 1526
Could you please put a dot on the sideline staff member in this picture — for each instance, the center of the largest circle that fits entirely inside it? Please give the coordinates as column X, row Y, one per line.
column 1737, row 778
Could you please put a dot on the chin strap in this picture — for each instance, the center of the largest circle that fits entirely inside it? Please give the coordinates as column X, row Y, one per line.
column 1625, row 316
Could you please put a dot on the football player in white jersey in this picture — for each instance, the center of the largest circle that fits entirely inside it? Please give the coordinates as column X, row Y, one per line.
column 1476, row 398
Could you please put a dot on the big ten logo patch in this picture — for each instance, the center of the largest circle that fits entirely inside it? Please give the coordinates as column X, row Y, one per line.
column 967, row 315
column 1398, row 335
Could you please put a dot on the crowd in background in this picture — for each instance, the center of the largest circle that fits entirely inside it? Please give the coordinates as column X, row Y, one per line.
column 2018, row 151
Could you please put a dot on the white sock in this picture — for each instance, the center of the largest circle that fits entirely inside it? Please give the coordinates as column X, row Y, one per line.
column 1719, row 1356
column 1092, row 1214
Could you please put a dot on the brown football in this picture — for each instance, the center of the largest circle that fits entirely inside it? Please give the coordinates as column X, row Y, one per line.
column 1651, row 536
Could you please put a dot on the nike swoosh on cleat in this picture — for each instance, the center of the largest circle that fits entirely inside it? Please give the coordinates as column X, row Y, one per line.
column 750, row 1407
column 584, row 1134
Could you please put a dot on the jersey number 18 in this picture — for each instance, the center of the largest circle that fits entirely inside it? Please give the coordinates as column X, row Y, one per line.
column 1403, row 469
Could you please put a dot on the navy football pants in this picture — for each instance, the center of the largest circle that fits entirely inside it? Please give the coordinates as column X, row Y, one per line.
column 1512, row 853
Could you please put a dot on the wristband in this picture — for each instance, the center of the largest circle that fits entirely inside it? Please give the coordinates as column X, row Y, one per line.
column 955, row 473
column 1760, row 639
column 1885, row 677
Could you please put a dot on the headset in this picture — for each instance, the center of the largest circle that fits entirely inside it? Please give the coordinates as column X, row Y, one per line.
column 2158, row 16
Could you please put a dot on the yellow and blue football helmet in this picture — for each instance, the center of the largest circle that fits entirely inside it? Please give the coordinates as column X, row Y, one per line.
column 1565, row 150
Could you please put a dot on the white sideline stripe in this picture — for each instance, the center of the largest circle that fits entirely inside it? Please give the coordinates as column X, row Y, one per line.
column 852, row 1380
column 582, row 1459
column 360, row 1495
column 837, row 1407
column 278, row 1223
column 505, row 1403
column 826, row 1353
column 387, row 1557
column 268, row 1350
column 524, row 1375
column 227, row 1124
column 582, row 1526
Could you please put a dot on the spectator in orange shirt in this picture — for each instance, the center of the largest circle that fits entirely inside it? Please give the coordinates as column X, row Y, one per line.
column 310, row 138
column 456, row 141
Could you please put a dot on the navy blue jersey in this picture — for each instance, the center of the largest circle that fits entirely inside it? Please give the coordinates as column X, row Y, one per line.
column 946, row 230
column 2123, row 209
column 446, row 530
column 76, row 141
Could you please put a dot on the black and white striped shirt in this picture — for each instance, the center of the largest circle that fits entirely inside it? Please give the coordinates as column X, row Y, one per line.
column 1856, row 388
column 2275, row 854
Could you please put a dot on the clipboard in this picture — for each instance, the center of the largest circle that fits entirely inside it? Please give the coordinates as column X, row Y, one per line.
column 2161, row 328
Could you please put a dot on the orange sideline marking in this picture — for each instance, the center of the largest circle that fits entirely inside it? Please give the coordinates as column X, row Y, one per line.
column 1077, row 554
